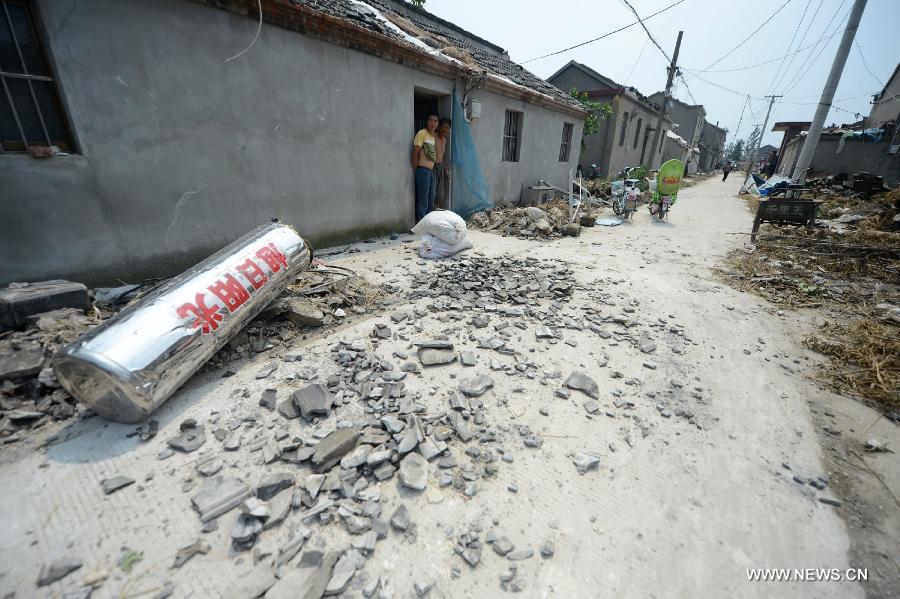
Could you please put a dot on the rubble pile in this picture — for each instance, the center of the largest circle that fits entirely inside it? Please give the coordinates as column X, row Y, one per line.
column 29, row 391
column 30, row 394
column 547, row 221
column 324, row 454
column 859, row 186
column 849, row 265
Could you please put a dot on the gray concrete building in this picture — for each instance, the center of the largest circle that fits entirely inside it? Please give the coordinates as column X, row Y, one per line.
column 687, row 120
column 171, row 148
column 712, row 146
column 624, row 139
column 886, row 104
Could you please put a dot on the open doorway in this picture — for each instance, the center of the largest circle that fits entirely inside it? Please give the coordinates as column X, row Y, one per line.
column 427, row 102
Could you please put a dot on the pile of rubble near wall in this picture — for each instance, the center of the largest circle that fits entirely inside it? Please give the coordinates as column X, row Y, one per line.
column 41, row 318
column 550, row 220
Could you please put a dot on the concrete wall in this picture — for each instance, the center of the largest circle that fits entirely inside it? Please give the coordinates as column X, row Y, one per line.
column 712, row 140
column 603, row 148
column 641, row 120
column 856, row 155
column 181, row 152
column 539, row 151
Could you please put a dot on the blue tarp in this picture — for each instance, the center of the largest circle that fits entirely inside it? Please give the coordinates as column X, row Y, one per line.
column 470, row 190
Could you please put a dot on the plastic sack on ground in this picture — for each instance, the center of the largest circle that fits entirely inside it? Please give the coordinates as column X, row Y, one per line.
column 773, row 183
column 470, row 189
column 447, row 226
column 432, row 248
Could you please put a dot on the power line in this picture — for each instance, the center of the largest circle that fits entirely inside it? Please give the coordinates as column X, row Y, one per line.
column 647, row 31
column 759, row 64
column 722, row 87
column 779, row 80
column 634, row 66
column 865, row 64
column 607, row 34
column 741, row 119
column 807, row 64
column 746, row 39
column 790, row 45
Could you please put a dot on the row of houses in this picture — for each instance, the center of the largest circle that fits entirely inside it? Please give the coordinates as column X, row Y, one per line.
column 625, row 139
column 871, row 144
column 139, row 136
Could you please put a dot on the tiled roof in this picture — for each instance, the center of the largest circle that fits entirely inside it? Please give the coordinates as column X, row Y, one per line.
column 421, row 28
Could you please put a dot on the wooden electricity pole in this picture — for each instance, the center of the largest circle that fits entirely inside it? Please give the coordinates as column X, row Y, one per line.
column 673, row 69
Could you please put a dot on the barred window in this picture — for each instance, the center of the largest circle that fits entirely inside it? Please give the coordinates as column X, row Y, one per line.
column 566, row 143
column 512, row 136
column 637, row 133
column 30, row 110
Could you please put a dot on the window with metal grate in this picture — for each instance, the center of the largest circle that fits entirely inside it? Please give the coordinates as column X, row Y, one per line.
column 30, row 110
column 566, row 144
column 512, row 136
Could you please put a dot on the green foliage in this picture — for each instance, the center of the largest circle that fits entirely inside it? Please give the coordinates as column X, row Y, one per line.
column 734, row 151
column 596, row 112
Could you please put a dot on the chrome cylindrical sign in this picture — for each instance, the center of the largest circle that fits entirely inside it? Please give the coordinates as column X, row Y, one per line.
column 128, row 366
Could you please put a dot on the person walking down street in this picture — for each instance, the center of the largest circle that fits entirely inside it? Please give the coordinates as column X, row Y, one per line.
column 442, row 167
column 726, row 169
column 424, row 156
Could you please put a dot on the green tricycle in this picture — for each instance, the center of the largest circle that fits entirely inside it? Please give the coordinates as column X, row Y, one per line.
column 668, row 182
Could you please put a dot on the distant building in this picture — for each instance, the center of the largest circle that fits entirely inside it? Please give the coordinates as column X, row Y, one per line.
column 712, row 146
column 689, row 119
column 624, row 139
column 886, row 103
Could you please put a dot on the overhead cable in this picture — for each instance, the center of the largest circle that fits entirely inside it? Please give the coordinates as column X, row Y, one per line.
column 607, row 34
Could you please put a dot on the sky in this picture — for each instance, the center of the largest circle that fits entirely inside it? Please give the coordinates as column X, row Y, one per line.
column 712, row 28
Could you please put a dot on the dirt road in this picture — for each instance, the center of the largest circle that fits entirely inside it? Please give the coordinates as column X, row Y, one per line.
column 699, row 442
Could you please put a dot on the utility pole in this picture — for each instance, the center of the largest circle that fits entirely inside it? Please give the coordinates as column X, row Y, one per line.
column 834, row 77
column 759, row 141
column 673, row 68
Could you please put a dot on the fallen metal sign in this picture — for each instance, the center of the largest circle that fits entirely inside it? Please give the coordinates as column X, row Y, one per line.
column 784, row 211
column 127, row 367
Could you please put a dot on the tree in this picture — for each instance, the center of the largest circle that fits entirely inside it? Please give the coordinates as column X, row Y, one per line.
column 596, row 111
column 734, row 151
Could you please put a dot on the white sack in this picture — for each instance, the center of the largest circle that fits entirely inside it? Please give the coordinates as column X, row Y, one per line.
column 432, row 248
column 446, row 225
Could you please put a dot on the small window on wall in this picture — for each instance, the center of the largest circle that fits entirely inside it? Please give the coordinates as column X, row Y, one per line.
column 662, row 140
column 512, row 136
column 566, row 143
column 637, row 133
column 30, row 111
column 624, row 129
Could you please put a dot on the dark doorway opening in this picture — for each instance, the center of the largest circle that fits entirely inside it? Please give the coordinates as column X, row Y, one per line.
column 426, row 102
column 422, row 107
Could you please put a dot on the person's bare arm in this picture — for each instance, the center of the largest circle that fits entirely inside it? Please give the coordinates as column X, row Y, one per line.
column 415, row 159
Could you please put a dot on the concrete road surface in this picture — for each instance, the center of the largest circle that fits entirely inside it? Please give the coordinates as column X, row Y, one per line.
column 681, row 505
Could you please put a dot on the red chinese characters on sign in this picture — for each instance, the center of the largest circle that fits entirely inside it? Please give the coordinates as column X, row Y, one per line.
column 230, row 291
column 206, row 319
column 253, row 273
column 272, row 257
